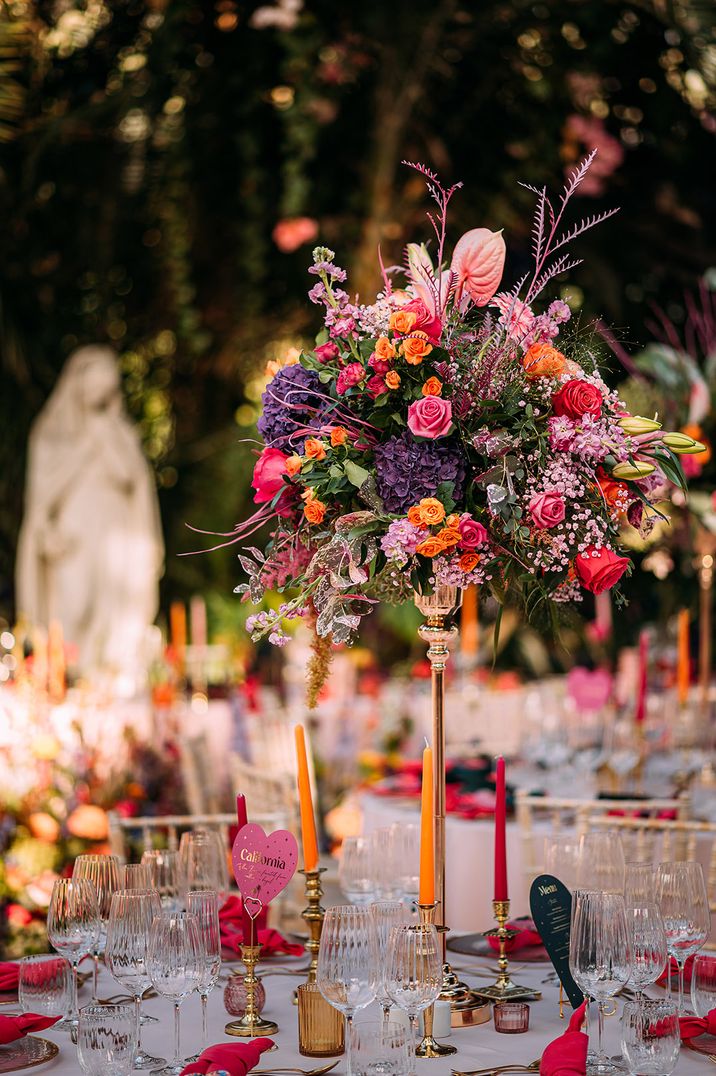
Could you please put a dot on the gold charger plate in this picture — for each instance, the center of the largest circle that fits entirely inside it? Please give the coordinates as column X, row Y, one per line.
column 27, row 1053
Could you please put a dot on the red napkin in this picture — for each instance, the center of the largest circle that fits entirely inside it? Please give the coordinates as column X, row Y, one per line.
column 237, row 1058
column 692, row 1026
column 526, row 936
column 16, row 1027
column 567, row 1055
column 270, row 940
column 9, row 976
column 688, row 968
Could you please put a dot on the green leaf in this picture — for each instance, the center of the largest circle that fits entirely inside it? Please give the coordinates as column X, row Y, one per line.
column 325, row 376
column 445, row 493
column 355, row 474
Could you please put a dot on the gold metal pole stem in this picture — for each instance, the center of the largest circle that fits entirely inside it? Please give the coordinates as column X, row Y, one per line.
column 430, row 1047
column 313, row 915
column 250, row 1025
column 706, row 582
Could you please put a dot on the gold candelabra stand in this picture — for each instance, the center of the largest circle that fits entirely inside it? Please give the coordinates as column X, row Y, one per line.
column 504, row 989
column 313, row 915
column 251, row 1024
column 440, row 633
column 430, row 1047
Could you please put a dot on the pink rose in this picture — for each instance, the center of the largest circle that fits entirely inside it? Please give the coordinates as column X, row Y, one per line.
column 381, row 366
column 268, row 475
column 327, row 352
column 546, row 509
column 472, row 533
column 425, row 321
column 599, row 568
column 349, row 377
column 577, row 398
column 430, row 417
column 376, row 386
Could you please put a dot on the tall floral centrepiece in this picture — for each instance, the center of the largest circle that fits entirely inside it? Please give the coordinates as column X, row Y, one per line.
column 440, row 436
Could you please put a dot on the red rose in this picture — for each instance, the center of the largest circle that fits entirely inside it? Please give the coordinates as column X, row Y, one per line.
column 376, row 386
column 472, row 533
column 599, row 568
column 577, row 398
column 268, row 475
column 326, row 352
column 425, row 321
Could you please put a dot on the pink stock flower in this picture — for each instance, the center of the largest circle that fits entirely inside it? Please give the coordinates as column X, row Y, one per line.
column 426, row 320
column 268, row 475
column 516, row 317
column 349, row 377
column 327, row 352
column 292, row 232
column 430, row 417
column 472, row 533
column 547, row 509
column 477, row 264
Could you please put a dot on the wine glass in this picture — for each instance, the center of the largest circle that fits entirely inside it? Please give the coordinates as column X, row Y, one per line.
column 601, row 862
column 45, row 986
column 407, row 842
column 134, row 876
column 413, row 977
column 639, row 882
column 131, row 915
column 73, row 926
column 385, row 915
column 103, row 872
column 163, row 865
column 106, row 1040
column 650, row 1036
column 561, row 858
column 703, row 984
column 347, row 963
column 384, row 851
column 357, row 870
column 681, row 894
column 647, row 944
column 599, row 955
column 175, row 963
column 205, row 906
column 202, row 864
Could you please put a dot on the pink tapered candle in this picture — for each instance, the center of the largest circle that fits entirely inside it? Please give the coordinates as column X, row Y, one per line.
column 500, row 834
column 642, row 678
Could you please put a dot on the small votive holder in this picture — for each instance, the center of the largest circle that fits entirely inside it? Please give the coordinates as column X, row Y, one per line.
column 320, row 1026
column 511, row 1017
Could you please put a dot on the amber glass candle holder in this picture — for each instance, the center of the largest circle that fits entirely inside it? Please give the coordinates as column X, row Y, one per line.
column 320, row 1026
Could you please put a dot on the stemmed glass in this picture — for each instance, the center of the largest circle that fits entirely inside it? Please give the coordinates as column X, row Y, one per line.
column 106, row 1040
column 650, row 1036
column 134, row 876
column 413, row 977
column 347, row 963
column 599, row 955
column 384, row 851
column 103, row 872
column 683, row 900
column 175, row 962
column 202, row 864
column 561, row 858
column 601, row 862
column 73, row 926
column 205, row 906
column 639, row 882
column 385, row 915
column 131, row 915
column 407, row 843
column 163, row 866
column 647, row 944
column 357, row 870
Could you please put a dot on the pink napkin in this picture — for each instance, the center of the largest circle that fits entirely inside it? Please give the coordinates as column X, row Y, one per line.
column 567, row 1055
column 16, row 1027
column 526, row 936
column 270, row 940
column 9, row 976
column 237, row 1058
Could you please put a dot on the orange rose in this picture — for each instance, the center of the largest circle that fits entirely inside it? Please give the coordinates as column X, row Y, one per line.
column 402, row 321
column 543, row 360
column 314, row 510
column 414, row 348
column 449, row 535
column 431, row 511
column 452, row 520
column 430, row 547
column 468, row 561
column 293, row 465
column 384, row 349
column 432, row 387
column 692, row 430
column 415, row 515
column 613, row 491
column 314, row 449
column 392, row 379
column 339, row 435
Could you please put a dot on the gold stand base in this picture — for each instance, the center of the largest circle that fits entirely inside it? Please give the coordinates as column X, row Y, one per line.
column 430, row 1047
column 246, row 1028
column 508, row 991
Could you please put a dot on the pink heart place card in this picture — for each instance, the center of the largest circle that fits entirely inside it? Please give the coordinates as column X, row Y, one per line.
column 264, row 864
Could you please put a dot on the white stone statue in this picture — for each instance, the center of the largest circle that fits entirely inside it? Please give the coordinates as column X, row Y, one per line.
column 90, row 551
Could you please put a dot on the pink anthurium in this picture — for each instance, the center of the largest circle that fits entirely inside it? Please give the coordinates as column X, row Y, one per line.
column 477, row 265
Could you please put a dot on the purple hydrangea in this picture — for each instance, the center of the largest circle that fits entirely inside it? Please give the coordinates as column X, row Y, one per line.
column 408, row 470
column 290, row 403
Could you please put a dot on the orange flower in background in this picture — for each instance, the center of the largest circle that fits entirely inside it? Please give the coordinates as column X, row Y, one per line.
column 384, row 349
column 314, row 510
column 695, row 431
column 88, row 822
column 432, row 387
column 402, row 321
column 392, row 379
column 293, row 465
column 415, row 515
column 339, row 435
column 449, row 535
column 314, row 449
column 44, row 827
column 468, row 561
column 414, row 348
column 543, row 360
column 432, row 511
column 431, row 547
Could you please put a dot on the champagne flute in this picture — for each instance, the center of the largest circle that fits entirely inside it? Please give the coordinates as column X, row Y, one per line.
column 175, row 963
column 683, row 900
column 347, row 963
column 73, row 926
column 385, row 915
column 103, row 872
column 205, row 906
column 131, row 915
column 413, row 977
column 647, row 944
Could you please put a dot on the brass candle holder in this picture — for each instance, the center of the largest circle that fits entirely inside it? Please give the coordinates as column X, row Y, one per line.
column 430, row 1047
column 504, row 989
column 313, row 915
column 251, row 1024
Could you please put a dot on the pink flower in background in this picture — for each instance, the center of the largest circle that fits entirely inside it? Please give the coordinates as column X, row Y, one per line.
column 430, row 417
column 477, row 264
column 349, row 377
column 292, row 232
column 327, row 352
column 268, row 475
column 547, row 509
column 592, row 134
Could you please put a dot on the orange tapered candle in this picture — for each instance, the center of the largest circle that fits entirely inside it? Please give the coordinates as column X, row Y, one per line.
column 426, row 892
column 308, row 821
column 684, row 660
column 469, row 624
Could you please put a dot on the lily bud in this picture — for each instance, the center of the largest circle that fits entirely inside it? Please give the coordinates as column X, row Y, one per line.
column 682, row 444
column 633, row 471
column 635, row 425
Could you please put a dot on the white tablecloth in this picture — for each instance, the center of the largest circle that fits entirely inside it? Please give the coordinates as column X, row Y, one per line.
column 478, row 1047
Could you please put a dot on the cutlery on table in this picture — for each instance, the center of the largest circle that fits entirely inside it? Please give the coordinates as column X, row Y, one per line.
column 494, row 1070
column 300, row 1072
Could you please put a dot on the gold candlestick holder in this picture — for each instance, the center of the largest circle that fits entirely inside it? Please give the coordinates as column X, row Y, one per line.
column 251, row 1024
column 504, row 989
column 313, row 915
column 430, row 1047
